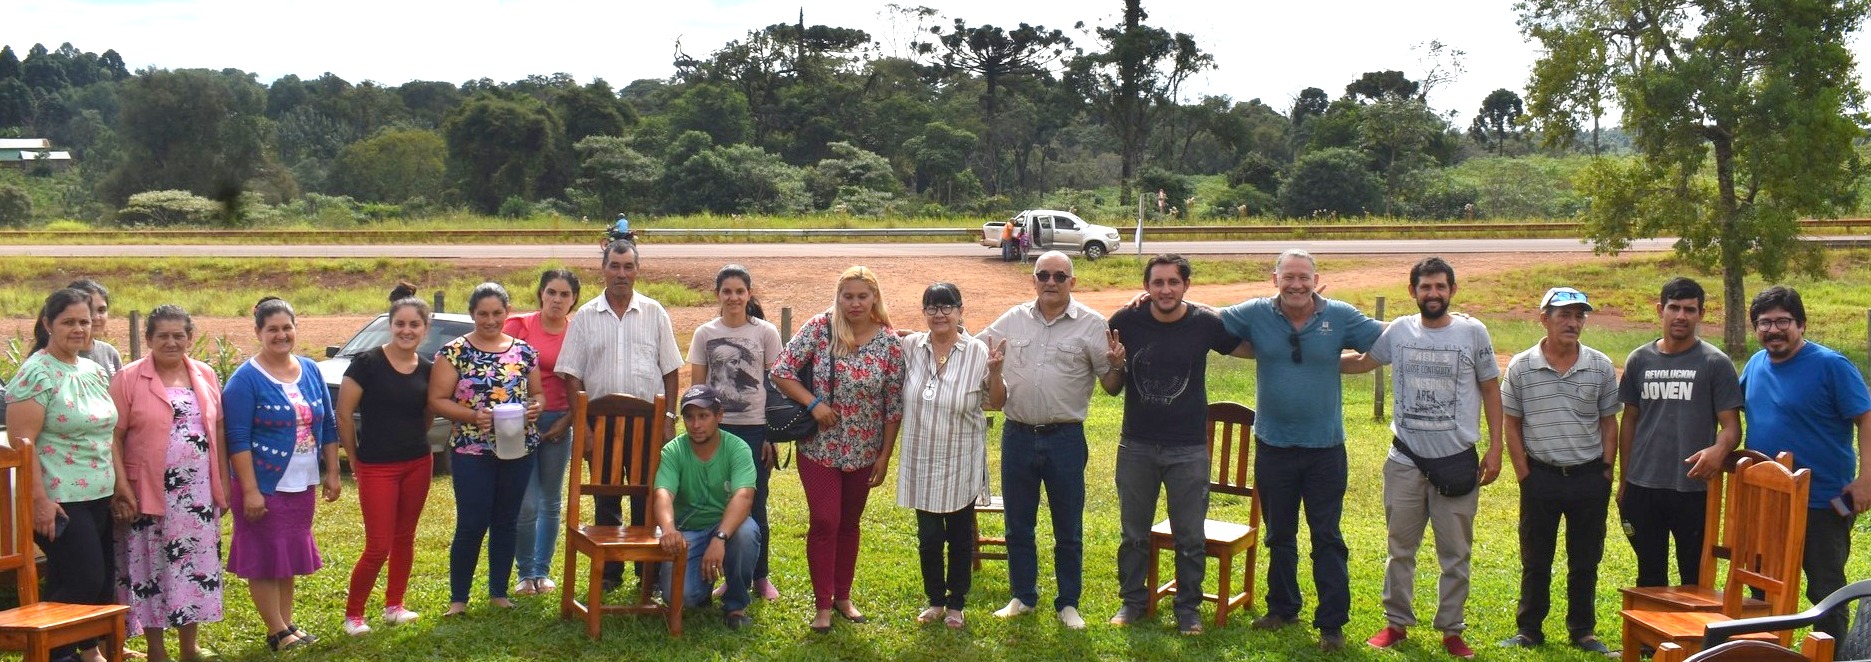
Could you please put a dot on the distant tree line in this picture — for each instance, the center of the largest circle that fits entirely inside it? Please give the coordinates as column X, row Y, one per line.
column 793, row 118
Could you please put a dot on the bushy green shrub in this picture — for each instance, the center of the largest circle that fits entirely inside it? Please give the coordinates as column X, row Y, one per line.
column 168, row 208
column 515, row 207
column 15, row 206
column 1330, row 182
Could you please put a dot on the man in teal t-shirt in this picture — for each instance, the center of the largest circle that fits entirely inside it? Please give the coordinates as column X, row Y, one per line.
column 704, row 490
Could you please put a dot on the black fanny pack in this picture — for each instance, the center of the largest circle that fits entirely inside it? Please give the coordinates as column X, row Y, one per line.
column 1453, row 475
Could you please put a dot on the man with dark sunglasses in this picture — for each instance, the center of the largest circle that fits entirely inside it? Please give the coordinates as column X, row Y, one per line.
column 1056, row 351
column 1299, row 428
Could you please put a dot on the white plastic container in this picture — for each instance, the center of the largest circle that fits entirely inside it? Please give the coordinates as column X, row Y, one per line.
column 510, row 430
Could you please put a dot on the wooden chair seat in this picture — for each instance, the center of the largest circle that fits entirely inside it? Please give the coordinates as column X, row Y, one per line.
column 616, row 445
column 1684, row 626
column 1818, row 647
column 986, row 546
column 1230, row 426
column 1684, row 598
column 35, row 627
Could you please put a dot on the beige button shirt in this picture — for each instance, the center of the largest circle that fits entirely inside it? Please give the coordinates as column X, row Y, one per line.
column 628, row 354
column 1051, row 367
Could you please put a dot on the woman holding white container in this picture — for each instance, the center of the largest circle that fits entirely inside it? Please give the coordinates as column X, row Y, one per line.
column 478, row 380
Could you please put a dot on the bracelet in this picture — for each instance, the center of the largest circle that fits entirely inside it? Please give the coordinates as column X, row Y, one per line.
column 815, row 403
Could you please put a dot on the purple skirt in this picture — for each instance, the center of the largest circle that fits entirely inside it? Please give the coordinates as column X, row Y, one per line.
column 280, row 545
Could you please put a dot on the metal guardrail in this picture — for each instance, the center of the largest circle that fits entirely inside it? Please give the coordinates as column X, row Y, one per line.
column 592, row 233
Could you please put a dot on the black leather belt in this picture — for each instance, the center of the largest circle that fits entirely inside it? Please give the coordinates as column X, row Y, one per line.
column 1040, row 430
column 1592, row 465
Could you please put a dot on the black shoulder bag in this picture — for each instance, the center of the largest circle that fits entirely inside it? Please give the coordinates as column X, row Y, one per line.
column 788, row 420
column 1453, row 475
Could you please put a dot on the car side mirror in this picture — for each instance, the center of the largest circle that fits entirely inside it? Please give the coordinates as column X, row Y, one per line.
column 331, row 351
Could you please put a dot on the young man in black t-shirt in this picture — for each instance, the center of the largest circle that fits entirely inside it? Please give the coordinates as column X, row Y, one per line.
column 1164, row 348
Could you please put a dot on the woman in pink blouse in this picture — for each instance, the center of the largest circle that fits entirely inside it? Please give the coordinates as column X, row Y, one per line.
column 853, row 362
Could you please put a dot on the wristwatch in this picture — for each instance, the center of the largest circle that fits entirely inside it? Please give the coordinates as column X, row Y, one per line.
column 721, row 536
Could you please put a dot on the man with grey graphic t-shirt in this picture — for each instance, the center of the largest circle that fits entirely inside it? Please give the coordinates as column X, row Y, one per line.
column 1445, row 378
column 1682, row 416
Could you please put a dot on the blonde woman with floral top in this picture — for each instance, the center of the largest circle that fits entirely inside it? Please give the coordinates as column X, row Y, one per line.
column 853, row 352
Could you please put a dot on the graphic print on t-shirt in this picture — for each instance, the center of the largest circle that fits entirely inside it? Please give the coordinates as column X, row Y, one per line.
column 1159, row 377
column 734, row 370
column 1429, row 376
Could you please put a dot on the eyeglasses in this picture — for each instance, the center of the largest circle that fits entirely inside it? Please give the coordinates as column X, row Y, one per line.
column 1773, row 323
column 943, row 309
column 1056, row 276
column 1293, row 339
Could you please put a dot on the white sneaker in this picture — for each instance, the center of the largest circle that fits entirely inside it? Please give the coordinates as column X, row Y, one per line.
column 1069, row 616
column 399, row 616
column 1014, row 608
column 355, row 626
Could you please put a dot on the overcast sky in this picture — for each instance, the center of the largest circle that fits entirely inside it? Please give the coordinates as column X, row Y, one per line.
column 1265, row 50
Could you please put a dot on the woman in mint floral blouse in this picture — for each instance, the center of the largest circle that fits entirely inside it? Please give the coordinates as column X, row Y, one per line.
column 61, row 401
column 850, row 453
column 472, row 374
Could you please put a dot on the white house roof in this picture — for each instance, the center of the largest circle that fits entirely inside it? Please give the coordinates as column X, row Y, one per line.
column 45, row 156
column 25, row 143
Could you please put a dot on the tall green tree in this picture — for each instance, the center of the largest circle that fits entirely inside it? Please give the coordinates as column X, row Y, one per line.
column 715, row 109
column 1139, row 74
column 1764, row 95
column 499, row 148
column 190, row 129
column 1388, row 85
column 996, row 54
column 392, row 166
column 1499, row 115
column 9, row 63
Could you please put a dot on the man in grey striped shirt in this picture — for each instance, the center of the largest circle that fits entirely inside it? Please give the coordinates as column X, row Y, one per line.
column 1561, row 401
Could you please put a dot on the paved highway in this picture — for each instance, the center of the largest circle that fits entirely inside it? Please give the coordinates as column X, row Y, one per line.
column 852, row 250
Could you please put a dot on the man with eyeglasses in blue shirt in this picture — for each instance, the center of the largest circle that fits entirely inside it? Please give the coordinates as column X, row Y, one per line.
column 1806, row 398
column 1299, row 427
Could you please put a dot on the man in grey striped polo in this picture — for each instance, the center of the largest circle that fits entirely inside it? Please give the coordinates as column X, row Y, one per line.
column 1561, row 401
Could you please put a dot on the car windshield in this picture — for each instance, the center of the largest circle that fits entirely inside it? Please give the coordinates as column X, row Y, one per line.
column 378, row 332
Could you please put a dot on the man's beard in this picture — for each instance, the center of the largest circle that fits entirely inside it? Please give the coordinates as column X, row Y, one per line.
column 1423, row 307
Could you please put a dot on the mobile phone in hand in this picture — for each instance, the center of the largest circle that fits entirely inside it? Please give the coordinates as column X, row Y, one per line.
column 1843, row 505
column 58, row 526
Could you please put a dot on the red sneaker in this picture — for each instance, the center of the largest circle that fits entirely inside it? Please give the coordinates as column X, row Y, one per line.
column 1387, row 638
column 1458, row 648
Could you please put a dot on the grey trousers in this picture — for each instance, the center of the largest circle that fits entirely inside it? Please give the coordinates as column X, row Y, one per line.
column 1182, row 472
column 1410, row 503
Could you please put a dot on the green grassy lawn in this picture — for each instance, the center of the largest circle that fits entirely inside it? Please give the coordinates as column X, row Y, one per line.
column 889, row 584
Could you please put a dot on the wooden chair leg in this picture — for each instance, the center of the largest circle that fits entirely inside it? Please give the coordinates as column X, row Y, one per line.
column 1223, row 596
column 1152, row 587
column 569, row 587
column 678, row 576
column 594, row 598
column 117, row 641
column 38, row 648
column 1632, row 647
column 1669, row 652
column 1819, row 647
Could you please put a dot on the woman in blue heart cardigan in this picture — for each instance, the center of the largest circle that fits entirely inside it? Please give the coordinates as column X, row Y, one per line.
column 282, row 442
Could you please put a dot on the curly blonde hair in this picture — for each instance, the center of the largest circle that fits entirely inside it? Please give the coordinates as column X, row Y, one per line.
column 846, row 337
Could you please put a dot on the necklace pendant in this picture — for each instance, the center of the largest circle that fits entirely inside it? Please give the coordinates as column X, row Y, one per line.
column 929, row 392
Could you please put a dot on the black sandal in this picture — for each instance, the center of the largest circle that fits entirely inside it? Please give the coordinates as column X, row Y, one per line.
column 304, row 636
column 272, row 640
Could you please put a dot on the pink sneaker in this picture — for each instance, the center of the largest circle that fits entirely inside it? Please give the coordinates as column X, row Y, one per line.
column 765, row 589
column 1387, row 638
column 1458, row 648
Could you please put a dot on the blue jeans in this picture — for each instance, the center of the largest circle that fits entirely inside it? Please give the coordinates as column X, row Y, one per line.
column 1055, row 462
column 1287, row 477
column 542, row 510
column 487, row 503
column 737, row 567
column 756, row 437
column 1182, row 472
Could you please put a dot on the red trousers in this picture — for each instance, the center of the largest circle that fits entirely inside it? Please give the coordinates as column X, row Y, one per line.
column 391, row 494
column 836, row 501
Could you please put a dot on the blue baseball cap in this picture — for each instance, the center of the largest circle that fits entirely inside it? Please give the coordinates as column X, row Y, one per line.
column 1564, row 296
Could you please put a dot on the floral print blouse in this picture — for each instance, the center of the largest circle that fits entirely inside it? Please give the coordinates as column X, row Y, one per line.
column 485, row 379
column 74, row 447
column 868, row 393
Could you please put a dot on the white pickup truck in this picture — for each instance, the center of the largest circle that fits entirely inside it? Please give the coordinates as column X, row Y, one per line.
column 1050, row 229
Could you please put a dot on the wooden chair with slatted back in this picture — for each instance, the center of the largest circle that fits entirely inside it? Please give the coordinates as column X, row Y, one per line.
column 617, row 441
column 1230, row 443
column 1717, row 540
column 1769, row 516
column 1818, row 647
column 35, row 627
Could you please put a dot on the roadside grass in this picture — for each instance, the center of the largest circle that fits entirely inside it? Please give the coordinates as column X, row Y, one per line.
column 315, row 286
